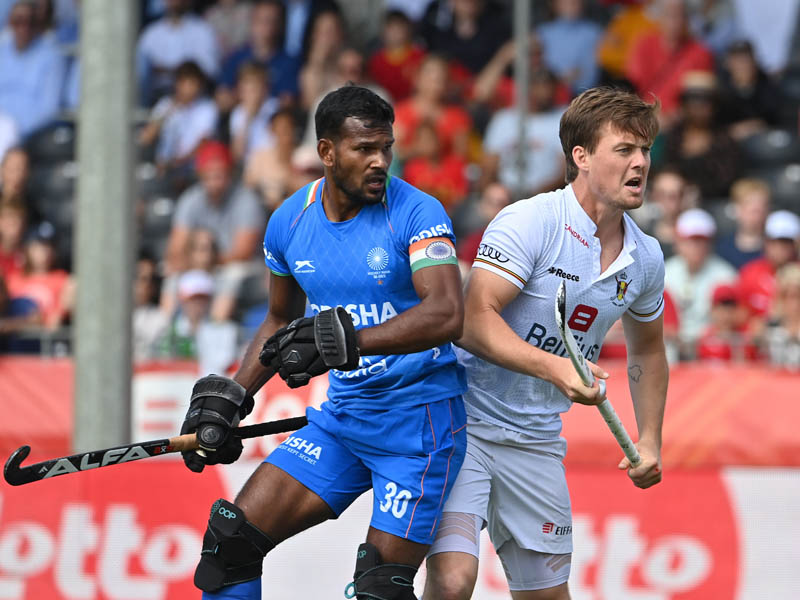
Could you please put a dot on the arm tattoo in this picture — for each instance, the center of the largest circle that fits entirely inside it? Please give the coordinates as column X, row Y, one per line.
column 635, row 372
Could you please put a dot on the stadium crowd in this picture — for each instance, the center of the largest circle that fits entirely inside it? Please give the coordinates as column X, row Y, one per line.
column 227, row 93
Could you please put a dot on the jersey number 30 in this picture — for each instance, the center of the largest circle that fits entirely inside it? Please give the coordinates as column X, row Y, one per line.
column 394, row 500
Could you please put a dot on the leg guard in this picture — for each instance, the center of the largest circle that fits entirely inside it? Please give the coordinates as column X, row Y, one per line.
column 233, row 549
column 375, row 581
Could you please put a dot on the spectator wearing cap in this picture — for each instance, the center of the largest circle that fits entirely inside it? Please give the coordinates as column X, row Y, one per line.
column 41, row 281
column 218, row 204
column 751, row 200
column 726, row 338
column 693, row 273
column 31, row 72
column 783, row 330
column 570, row 45
column 750, row 100
column 659, row 60
column 757, row 277
column 192, row 333
column 697, row 145
column 179, row 36
column 264, row 47
column 180, row 121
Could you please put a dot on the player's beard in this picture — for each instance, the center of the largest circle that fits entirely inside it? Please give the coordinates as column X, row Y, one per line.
column 354, row 194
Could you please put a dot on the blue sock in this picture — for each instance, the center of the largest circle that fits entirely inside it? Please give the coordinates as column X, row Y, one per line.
column 249, row 590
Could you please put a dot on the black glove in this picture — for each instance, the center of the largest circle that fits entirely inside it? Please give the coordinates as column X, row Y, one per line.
column 310, row 346
column 217, row 405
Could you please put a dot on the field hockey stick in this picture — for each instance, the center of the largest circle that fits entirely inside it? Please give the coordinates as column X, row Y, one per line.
column 586, row 375
column 16, row 474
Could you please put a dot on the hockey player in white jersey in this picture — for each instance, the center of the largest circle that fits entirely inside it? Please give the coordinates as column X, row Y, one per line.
column 519, row 380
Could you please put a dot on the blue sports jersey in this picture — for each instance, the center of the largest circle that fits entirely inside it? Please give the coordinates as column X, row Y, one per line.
column 364, row 265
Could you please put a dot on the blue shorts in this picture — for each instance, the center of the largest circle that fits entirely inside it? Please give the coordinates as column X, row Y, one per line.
column 409, row 457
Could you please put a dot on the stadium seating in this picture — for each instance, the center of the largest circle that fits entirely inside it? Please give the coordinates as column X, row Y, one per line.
column 771, row 147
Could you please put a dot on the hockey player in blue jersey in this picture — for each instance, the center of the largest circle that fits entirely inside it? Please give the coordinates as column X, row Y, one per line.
column 375, row 258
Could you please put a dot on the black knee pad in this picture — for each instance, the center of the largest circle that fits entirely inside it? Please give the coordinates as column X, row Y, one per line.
column 233, row 549
column 376, row 581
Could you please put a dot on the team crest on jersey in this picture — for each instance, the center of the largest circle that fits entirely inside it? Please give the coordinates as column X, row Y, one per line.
column 377, row 261
column 622, row 288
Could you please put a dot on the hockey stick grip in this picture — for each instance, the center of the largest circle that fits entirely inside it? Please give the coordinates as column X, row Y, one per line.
column 618, row 429
column 188, row 441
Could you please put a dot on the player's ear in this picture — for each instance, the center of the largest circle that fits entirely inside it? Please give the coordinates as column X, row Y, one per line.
column 326, row 150
column 581, row 157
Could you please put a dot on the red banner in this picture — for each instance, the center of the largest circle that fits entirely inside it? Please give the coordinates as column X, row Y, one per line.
column 133, row 531
column 715, row 416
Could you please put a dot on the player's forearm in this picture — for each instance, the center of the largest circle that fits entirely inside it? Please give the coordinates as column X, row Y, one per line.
column 252, row 374
column 648, row 376
column 428, row 324
column 488, row 336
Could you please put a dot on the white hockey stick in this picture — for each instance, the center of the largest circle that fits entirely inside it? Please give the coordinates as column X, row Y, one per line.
column 608, row 412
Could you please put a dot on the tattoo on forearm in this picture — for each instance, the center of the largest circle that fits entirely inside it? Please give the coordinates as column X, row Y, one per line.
column 635, row 372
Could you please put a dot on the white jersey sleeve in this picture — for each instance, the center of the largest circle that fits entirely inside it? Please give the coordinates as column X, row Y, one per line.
column 649, row 304
column 512, row 251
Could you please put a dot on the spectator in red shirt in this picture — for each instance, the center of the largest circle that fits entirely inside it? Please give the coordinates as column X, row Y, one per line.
column 727, row 337
column 452, row 122
column 659, row 60
column 41, row 280
column 439, row 174
column 394, row 65
column 757, row 278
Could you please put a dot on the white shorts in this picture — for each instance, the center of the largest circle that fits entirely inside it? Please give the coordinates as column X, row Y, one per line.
column 517, row 486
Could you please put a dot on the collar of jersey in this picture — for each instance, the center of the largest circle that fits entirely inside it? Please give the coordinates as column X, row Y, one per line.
column 339, row 229
column 625, row 257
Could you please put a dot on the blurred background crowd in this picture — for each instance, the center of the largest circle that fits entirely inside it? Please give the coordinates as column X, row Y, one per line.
column 226, row 95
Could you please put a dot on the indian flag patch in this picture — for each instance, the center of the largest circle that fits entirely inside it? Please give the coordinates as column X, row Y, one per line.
column 430, row 252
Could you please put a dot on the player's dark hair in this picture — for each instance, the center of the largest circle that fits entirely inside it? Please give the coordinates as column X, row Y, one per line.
column 351, row 101
column 589, row 113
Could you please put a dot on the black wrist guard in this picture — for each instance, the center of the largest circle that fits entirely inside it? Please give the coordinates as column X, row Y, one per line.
column 310, row 346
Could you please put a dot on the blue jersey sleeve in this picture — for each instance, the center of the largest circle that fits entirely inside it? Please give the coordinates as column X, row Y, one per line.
column 274, row 243
column 423, row 216
column 279, row 229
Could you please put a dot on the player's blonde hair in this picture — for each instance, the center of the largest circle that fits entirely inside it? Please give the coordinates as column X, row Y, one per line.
column 589, row 112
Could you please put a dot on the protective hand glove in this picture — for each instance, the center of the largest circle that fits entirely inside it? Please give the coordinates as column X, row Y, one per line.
column 311, row 346
column 215, row 409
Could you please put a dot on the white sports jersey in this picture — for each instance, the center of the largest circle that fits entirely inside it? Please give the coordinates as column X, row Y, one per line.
column 536, row 244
